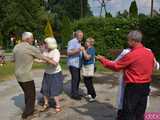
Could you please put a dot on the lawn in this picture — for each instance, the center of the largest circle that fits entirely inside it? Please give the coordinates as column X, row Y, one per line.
column 7, row 70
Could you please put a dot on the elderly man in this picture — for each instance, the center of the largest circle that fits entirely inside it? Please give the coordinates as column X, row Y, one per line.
column 74, row 63
column 24, row 55
column 138, row 66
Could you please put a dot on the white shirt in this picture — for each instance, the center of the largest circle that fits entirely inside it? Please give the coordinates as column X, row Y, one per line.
column 123, row 53
column 54, row 55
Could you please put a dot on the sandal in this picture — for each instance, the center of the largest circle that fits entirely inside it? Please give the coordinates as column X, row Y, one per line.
column 45, row 107
column 58, row 109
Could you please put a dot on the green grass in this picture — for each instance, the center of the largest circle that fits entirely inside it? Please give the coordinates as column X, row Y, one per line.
column 8, row 69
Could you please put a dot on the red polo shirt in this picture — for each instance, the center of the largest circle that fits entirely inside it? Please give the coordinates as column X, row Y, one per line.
column 137, row 65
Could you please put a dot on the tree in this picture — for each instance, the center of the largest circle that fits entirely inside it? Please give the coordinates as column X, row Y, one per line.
column 21, row 15
column 66, row 30
column 123, row 15
column 108, row 14
column 133, row 10
column 70, row 8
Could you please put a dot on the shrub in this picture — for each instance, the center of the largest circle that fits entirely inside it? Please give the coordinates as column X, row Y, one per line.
column 110, row 33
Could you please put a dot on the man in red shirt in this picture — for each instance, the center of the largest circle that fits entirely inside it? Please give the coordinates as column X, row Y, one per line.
column 138, row 66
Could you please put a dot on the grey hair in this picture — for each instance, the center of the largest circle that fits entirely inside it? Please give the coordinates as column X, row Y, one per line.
column 26, row 35
column 135, row 35
column 79, row 31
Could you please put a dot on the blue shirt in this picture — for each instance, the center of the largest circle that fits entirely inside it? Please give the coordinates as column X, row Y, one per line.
column 91, row 51
column 74, row 60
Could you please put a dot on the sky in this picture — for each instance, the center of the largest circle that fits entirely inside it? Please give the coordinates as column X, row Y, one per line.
column 113, row 6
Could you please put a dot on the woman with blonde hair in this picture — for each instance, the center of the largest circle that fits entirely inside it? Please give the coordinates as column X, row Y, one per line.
column 88, row 68
column 52, row 84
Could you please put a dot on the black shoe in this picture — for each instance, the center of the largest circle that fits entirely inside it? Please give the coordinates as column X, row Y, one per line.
column 76, row 97
column 24, row 115
column 119, row 115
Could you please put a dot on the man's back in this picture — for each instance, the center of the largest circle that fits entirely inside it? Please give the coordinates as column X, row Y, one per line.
column 24, row 54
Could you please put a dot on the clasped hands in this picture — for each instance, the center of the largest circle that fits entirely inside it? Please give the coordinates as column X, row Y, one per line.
column 98, row 57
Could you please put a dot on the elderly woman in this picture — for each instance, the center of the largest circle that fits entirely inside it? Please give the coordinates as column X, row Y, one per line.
column 24, row 54
column 88, row 68
column 52, row 81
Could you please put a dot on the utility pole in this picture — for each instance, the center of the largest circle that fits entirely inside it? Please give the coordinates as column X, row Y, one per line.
column 81, row 14
column 103, row 5
column 151, row 8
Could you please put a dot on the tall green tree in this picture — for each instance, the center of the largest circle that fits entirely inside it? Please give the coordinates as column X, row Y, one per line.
column 66, row 30
column 21, row 15
column 70, row 8
column 125, row 14
column 133, row 10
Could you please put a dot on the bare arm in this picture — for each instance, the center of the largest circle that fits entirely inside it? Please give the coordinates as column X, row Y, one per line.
column 50, row 61
column 86, row 55
column 39, row 61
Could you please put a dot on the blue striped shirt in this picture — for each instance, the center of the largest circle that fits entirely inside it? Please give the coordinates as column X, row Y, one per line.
column 74, row 60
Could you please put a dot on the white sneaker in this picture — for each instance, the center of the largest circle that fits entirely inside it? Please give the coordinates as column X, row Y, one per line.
column 92, row 100
column 88, row 96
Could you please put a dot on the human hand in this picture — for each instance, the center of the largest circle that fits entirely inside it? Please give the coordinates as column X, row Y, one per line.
column 82, row 48
column 45, row 54
column 98, row 57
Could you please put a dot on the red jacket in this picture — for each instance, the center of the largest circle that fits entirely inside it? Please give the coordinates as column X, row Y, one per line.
column 137, row 65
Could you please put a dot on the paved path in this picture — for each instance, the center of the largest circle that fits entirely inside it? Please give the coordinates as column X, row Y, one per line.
column 12, row 102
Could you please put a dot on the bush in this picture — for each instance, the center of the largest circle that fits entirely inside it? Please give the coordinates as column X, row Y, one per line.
column 110, row 33
column 151, row 30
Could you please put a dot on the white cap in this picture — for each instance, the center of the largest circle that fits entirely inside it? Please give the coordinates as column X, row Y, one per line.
column 52, row 43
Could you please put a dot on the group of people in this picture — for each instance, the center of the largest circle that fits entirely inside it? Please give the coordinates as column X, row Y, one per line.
column 135, row 63
column 52, row 85
column 81, row 58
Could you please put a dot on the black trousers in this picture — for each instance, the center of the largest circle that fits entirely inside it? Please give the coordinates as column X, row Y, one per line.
column 89, row 85
column 135, row 101
column 75, row 81
column 29, row 95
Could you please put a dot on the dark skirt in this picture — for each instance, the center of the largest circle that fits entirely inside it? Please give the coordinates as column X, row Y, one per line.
column 52, row 84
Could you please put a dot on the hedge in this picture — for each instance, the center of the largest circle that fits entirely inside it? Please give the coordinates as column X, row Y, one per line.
column 110, row 33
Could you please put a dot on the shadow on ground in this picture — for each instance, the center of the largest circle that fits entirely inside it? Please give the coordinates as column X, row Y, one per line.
column 97, row 111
